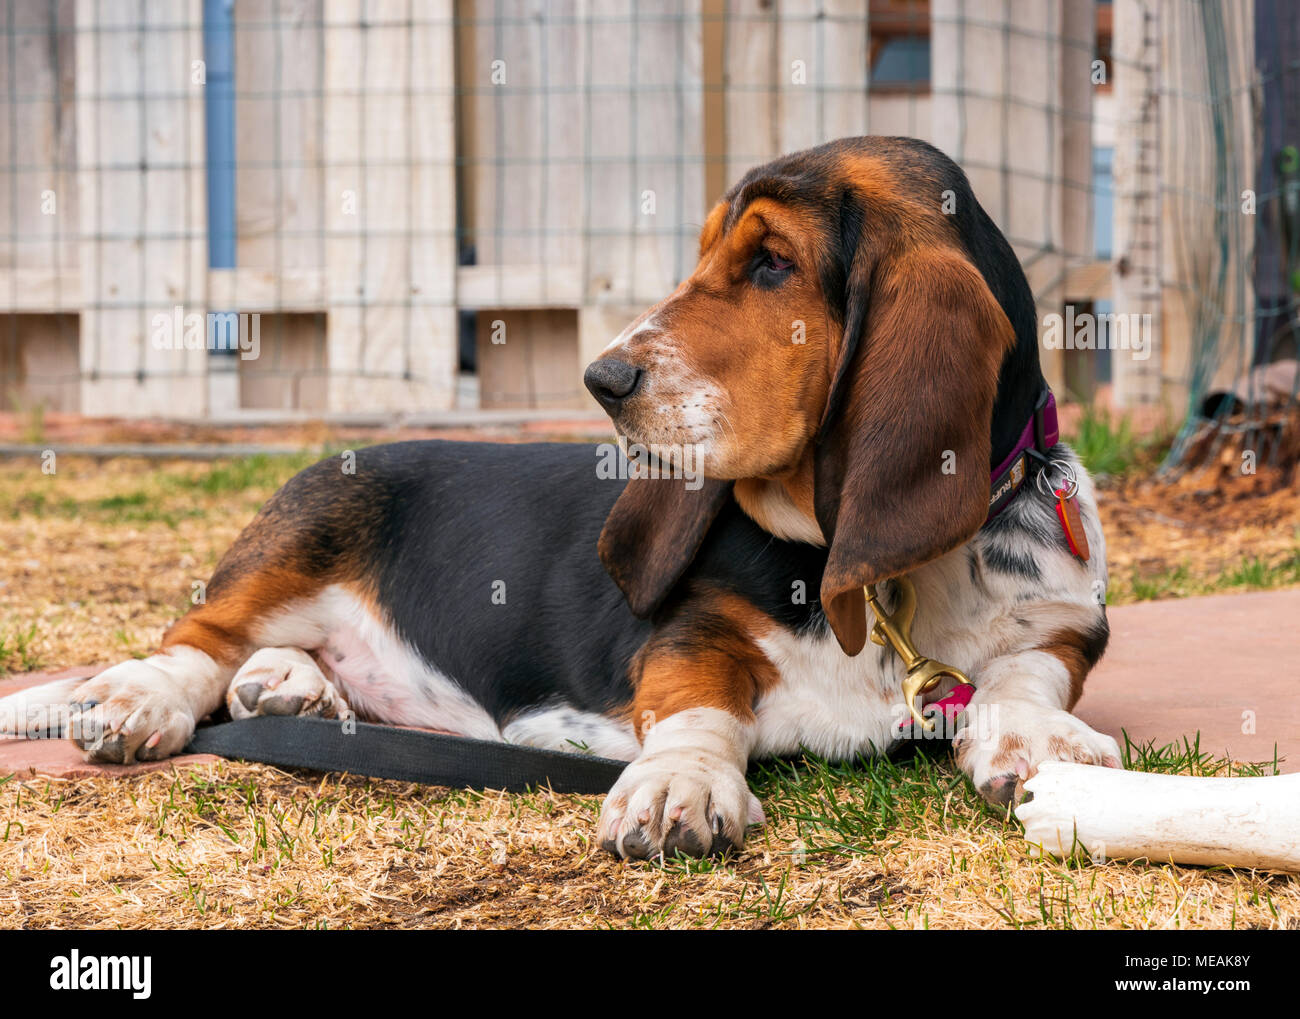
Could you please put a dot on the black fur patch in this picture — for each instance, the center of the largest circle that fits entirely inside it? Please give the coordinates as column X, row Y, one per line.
column 462, row 522
column 450, row 521
column 1000, row 558
column 1095, row 640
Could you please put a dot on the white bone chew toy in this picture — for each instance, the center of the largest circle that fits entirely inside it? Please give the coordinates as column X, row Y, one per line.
column 1126, row 815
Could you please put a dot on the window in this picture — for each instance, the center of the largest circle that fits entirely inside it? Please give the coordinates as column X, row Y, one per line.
column 902, row 61
column 900, row 45
column 1103, row 201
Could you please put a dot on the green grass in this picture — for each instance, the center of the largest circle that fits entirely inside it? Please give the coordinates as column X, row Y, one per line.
column 1107, row 445
column 227, row 477
column 168, row 498
column 1187, row 758
column 16, row 651
column 865, row 805
column 868, row 804
column 138, row 507
column 1253, row 574
column 858, row 806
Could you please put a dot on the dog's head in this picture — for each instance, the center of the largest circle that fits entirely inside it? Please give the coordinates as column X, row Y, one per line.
column 835, row 355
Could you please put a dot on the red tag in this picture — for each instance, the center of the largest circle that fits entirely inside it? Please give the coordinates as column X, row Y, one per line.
column 1067, row 511
column 952, row 705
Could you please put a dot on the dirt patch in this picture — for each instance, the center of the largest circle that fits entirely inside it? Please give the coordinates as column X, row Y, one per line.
column 1207, row 530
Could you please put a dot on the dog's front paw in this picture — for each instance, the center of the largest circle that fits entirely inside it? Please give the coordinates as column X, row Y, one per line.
column 283, row 681
column 678, row 803
column 1005, row 743
column 686, row 794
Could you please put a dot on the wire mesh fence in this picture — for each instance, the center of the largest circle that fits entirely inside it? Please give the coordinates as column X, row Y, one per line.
column 215, row 208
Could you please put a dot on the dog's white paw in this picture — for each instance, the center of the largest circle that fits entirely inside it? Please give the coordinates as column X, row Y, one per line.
column 141, row 710
column 1003, row 745
column 677, row 802
column 686, row 794
column 283, row 681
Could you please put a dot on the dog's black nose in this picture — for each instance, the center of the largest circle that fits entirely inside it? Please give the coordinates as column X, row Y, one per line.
column 611, row 381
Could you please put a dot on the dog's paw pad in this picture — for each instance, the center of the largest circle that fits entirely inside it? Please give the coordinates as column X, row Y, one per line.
column 283, row 681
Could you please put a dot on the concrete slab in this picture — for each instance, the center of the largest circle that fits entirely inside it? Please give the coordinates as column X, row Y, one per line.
column 1227, row 666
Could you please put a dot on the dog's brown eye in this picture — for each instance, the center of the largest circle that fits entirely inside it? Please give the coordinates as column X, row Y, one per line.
column 770, row 269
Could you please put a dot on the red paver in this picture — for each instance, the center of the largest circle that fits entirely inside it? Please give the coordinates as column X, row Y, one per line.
column 1176, row 667
column 58, row 758
column 1173, row 668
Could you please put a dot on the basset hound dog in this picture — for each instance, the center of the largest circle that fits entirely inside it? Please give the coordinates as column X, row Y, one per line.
column 846, row 391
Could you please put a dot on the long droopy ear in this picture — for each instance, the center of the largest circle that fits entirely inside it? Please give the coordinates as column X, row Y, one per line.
column 902, row 460
column 653, row 532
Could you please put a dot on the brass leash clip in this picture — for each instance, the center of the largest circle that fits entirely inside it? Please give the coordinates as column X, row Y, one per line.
column 895, row 630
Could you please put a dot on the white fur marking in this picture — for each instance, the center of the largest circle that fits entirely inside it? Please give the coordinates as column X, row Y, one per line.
column 691, row 771
column 571, row 731
column 380, row 675
column 632, row 330
column 830, row 703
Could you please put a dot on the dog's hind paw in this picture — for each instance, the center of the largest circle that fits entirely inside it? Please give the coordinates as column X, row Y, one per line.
column 283, row 681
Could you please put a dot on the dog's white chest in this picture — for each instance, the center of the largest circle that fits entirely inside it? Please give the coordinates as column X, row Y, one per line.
column 826, row 701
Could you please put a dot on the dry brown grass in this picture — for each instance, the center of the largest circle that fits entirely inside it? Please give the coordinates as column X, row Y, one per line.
column 101, row 557
column 250, row 846
column 97, row 559
column 1199, row 535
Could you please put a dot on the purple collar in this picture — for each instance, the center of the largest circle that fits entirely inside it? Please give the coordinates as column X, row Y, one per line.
column 1041, row 433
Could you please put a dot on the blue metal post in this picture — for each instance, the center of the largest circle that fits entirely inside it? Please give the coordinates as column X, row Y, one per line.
column 219, row 107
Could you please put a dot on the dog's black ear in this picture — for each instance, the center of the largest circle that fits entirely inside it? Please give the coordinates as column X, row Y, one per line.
column 653, row 532
column 901, row 468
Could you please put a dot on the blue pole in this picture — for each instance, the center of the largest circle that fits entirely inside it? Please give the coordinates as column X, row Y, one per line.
column 219, row 107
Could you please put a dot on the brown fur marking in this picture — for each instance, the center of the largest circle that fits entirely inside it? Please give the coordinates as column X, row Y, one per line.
column 1078, row 651
column 1005, row 758
column 316, row 530
column 803, row 408
column 704, row 656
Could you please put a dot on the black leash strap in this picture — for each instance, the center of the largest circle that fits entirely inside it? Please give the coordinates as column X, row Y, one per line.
column 407, row 755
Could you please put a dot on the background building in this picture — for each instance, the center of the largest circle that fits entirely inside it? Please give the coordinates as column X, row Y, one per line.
column 433, row 205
